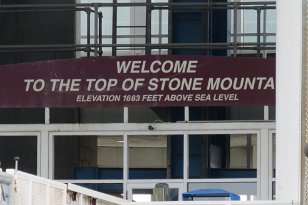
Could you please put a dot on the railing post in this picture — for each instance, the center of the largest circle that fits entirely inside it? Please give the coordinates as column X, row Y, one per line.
column 160, row 29
column 170, row 23
column 96, row 30
column 235, row 30
column 100, row 34
column 264, row 32
column 88, row 31
column 148, row 32
column 114, row 27
column 258, row 31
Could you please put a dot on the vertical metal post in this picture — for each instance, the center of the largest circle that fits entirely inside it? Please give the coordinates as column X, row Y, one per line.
column 160, row 29
column 125, row 165
column 96, row 30
column 235, row 30
column 258, row 31
column 88, row 31
column 169, row 153
column 185, row 161
column 170, row 25
column 100, row 34
column 264, row 32
column 148, row 27
column 114, row 27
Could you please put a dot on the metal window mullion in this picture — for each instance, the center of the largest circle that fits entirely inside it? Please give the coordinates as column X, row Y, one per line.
column 185, row 162
column 125, row 165
column 48, row 148
column 259, row 165
column 263, row 167
column 270, row 163
column 249, row 151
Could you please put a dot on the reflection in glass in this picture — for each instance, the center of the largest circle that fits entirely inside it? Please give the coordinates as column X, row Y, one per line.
column 272, row 113
column 101, row 115
column 155, row 157
column 222, row 156
column 88, row 157
column 24, row 147
column 273, row 190
column 22, row 115
column 207, row 113
column 243, row 151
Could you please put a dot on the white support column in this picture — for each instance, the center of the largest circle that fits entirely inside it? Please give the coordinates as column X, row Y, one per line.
column 288, row 99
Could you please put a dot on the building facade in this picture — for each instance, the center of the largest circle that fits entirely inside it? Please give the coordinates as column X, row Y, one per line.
column 126, row 150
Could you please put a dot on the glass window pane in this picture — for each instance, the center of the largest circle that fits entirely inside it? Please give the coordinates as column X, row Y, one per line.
column 243, row 152
column 101, row 115
column 222, row 156
column 64, row 115
column 155, row 114
column 22, row 115
column 226, row 113
column 86, row 115
column 155, row 157
column 272, row 112
column 247, row 112
column 208, row 113
column 24, row 147
column 88, row 157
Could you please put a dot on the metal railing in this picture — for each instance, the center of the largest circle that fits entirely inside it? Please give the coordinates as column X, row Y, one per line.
column 98, row 47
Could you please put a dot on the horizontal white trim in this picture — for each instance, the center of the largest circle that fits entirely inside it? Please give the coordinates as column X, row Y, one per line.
column 119, row 128
column 136, row 181
column 215, row 203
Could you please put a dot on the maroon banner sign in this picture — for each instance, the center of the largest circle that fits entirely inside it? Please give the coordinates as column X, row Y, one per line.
column 139, row 81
